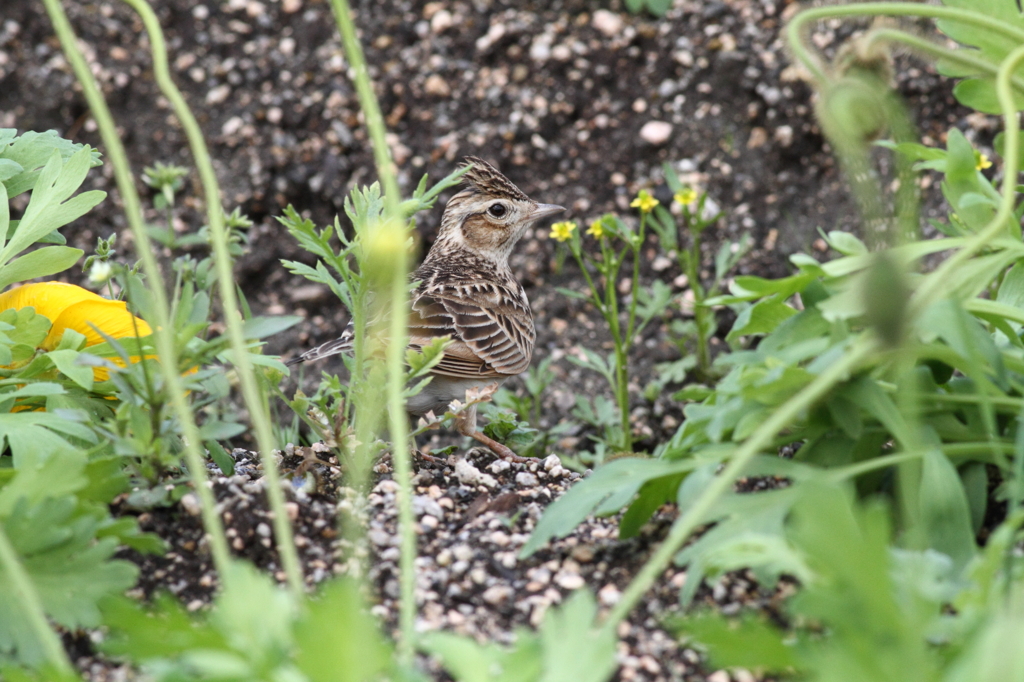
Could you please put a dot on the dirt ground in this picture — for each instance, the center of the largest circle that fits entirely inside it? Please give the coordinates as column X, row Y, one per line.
column 557, row 94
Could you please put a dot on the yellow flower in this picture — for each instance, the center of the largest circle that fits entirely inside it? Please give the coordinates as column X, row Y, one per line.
column 685, row 196
column 981, row 162
column 645, row 202
column 71, row 307
column 562, row 231
column 596, row 229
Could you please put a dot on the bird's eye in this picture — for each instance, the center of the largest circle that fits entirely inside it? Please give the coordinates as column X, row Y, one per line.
column 498, row 210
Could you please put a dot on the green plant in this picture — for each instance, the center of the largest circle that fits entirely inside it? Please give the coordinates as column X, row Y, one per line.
column 655, row 7
column 857, row 592
column 694, row 219
column 518, row 409
column 906, row 384
column 644, row 304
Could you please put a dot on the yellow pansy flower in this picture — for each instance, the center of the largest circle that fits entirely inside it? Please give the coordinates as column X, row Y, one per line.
column 644, row 201
column 562, row 231
column 71, row 307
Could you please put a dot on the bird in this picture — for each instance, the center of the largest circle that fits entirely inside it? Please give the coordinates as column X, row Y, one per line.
column 465, row 290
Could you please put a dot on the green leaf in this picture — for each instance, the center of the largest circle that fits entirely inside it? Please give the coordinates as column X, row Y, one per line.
column 469, row 661
column 33, row 436
column 606, row 490
column 945, row 511
column 218, row 430
column 761, row 318
column 572, row 293
column 852, row 593
column 537, row 657
column 42, row 262
column 30, row 151
column 750, row 642
column 165, row 630
column 220, row 457
column 30, row 329
column 846, row 243
column 573, row 628
column 51, row 205
column 64, row 360
column 992, row 46
column 749, row 533
column 262, row 327
column 56, row 540
column 963, row 178
column 338, row 640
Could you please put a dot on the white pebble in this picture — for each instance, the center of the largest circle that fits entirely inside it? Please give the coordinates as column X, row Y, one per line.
column 497, row 594
column 219, row 94
column 609, row 595
column 656, row 132
column 608, row 23
column 499, row 466
column 569, row 581
column 232, row 125
column 784, row 135
column 526, row 479
column 442, row 21
column 190, row 503
column 470, row 475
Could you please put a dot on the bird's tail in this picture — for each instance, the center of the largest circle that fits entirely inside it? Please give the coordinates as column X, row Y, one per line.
column 342, row 345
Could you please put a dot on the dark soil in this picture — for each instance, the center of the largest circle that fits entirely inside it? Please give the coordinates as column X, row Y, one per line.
column 556, row 94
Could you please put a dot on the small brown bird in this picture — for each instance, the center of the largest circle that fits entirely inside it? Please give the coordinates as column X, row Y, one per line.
column 465, row 290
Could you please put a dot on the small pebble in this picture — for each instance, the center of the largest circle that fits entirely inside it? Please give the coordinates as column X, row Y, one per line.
column 497, row 594
column 608, row 23
column 656, row 132
column 526, row 479
column 609, row 595
column 190, row 503
column 569, row 581
column 470, row 475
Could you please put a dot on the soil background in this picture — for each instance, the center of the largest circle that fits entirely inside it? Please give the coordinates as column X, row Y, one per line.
column 556, row 94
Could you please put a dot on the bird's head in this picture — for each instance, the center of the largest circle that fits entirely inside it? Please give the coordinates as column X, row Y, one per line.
column 489, row 215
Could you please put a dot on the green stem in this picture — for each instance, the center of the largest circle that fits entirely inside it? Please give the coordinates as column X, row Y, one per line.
column 813, row 64
column 398, row 290
column 611, row 316
column 861, row 468
column 25, row 594
column 595, row 292
column 937, row 52
column 254, row 397
column 631, row 326
column 700, row 313
column 164, row 332
column 858, row 351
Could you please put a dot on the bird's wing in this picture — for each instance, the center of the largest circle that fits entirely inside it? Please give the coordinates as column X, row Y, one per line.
column 491, row 330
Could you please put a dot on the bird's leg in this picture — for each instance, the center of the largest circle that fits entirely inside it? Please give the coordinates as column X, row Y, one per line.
column 465, row 423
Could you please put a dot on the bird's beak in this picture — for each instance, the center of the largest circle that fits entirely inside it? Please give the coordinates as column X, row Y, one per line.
column 545, row 210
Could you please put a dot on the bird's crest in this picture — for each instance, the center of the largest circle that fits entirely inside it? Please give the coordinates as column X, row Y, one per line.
column 485, row 179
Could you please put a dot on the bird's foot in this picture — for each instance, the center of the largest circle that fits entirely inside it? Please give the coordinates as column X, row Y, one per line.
column 497, row 448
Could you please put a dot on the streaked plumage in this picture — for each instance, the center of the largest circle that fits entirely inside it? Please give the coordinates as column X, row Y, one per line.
column 466, row 290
